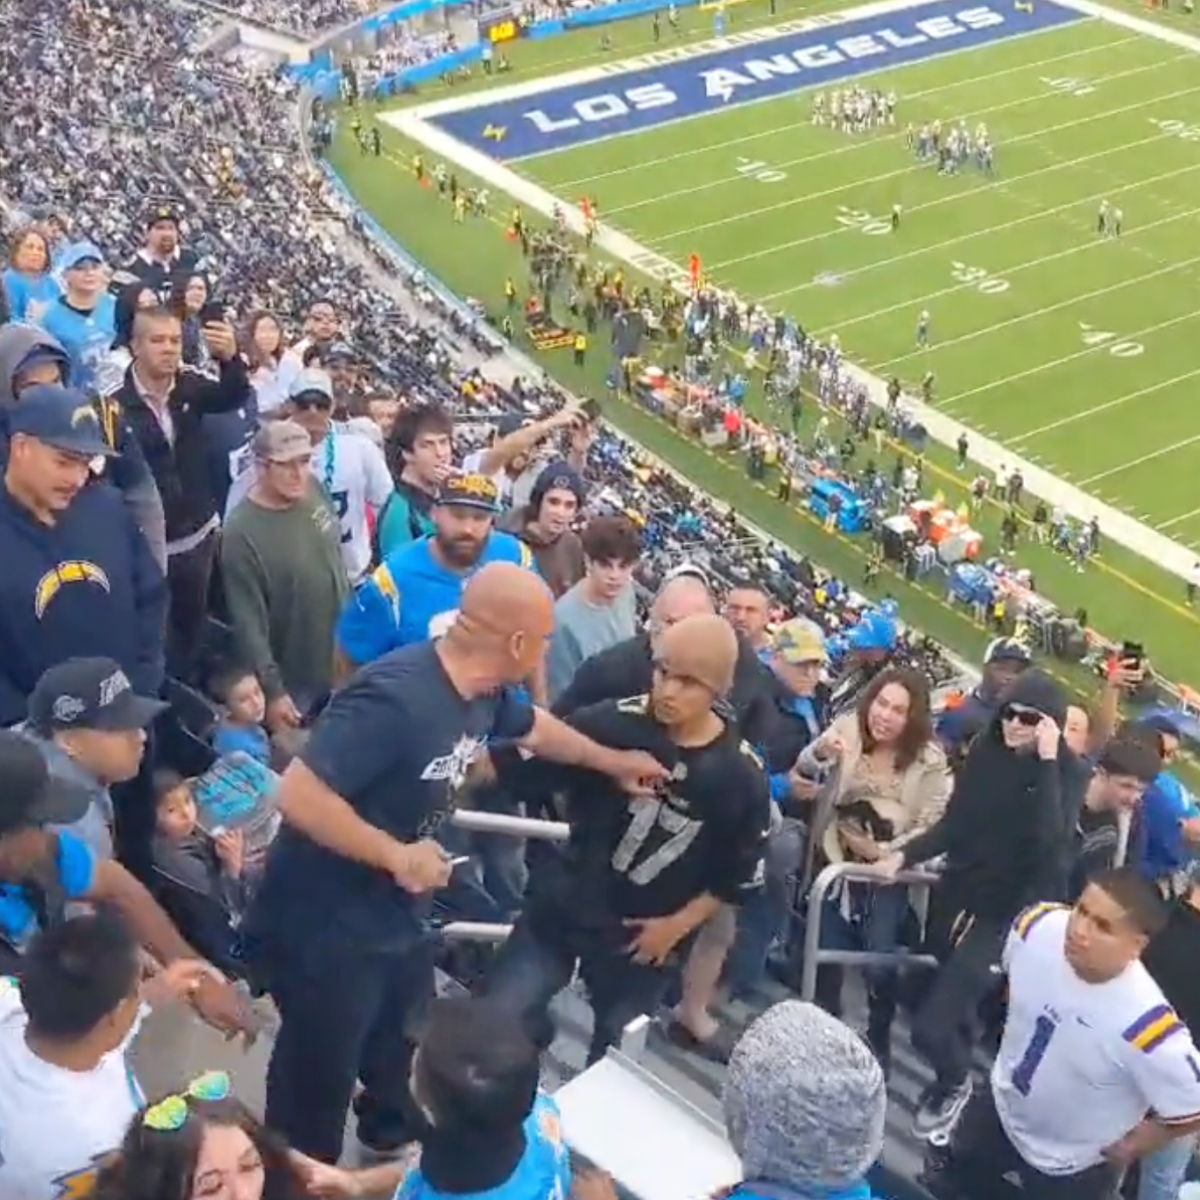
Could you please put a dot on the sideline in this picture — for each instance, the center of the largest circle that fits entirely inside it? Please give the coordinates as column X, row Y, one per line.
column 1121, row 528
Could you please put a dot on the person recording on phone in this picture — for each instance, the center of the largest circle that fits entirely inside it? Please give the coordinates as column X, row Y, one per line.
column 165, row 403
column 1003, row 836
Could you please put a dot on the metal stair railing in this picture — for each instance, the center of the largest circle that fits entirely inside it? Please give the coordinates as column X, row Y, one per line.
column 815, row 955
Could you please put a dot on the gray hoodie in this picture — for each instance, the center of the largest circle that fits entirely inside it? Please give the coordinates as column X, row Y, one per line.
column 128, row 471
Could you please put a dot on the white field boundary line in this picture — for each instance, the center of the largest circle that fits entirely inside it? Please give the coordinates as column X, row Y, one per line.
column 638, row 168
column 1187, row 516
column 661, row 58
column 884, row 263
column 1031, row 314
column 1005, row 271
column 913, row 167
column 536, row 87
column 792, row 202
column 1119, row 526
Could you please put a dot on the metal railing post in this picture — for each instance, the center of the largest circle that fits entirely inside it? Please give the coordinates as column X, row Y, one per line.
column 814, row 955
column 512, row 826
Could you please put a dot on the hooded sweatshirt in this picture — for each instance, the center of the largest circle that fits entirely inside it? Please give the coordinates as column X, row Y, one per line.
column 1004, row 831
column 128, row 472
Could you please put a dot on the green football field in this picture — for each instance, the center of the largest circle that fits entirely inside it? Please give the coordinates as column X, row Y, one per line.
column 1077, row 351
column 1070, row 348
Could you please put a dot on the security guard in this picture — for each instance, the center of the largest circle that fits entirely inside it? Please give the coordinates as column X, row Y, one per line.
column 580, row 348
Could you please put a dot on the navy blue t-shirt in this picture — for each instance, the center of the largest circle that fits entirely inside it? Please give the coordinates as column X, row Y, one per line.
column 395, row 743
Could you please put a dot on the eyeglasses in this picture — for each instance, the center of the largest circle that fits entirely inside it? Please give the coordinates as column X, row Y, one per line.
column 1023, row 716
column 170, row 1113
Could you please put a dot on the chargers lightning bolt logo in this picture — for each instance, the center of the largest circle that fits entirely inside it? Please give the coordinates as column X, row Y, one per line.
column 494, row 133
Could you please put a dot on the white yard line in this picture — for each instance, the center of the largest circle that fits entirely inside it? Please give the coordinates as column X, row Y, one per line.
column 1118, row 525
column 1137, row 462
column 750, row 214
column 1187, row 516
column 957, row 399
column 988, row 330
column 916, row 302
column 854, row 272
column 1030, row 434
column 806, row 123
column 913, row 167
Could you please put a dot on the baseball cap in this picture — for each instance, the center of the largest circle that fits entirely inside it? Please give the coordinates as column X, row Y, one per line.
column 338, row 349
column 1163, row 722
column 89, row 693
column 509, row 423
column 79, row 253
column 874, row 631
column 281, row 442
column 312, row 380
column 29, row 794
column 469, row 491
column 61, row 417
column 800, row 641
column 160, row 213
column 1006, row 650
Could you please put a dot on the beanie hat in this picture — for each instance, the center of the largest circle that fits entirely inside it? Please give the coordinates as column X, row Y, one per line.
column 557, row 474
column 703, row 647
column 804, row 1100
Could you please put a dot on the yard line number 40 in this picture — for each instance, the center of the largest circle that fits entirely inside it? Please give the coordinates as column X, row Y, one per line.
column 760, row 172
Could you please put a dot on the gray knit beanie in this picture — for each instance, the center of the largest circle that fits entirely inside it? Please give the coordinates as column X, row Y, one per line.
column 804, row 1100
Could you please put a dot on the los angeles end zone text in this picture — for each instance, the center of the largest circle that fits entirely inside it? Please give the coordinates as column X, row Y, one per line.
column 797, row 56
column 1042, row 328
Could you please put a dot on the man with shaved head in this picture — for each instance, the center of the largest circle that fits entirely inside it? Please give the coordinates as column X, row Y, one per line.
column 626, row 668
column 336, row 933
column 638, row 879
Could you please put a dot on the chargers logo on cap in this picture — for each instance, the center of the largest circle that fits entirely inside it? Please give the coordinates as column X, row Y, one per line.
column 76, row 571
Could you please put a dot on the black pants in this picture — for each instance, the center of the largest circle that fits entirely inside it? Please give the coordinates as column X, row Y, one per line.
column 188, row 576
column 345, row 1016
column 981, row 1154
column 945, row 1027
column 539, row 959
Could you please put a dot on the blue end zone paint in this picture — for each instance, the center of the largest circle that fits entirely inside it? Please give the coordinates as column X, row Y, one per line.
column 571, row 116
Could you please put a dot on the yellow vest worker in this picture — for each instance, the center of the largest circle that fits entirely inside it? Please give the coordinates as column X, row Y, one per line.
column 580, row 347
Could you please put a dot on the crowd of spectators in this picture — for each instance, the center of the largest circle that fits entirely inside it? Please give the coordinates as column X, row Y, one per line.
column 285, row 565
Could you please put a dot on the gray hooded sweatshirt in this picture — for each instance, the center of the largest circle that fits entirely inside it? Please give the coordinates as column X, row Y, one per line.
column 128, row 471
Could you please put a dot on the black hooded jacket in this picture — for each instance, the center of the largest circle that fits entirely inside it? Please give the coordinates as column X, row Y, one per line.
column 1004, row 830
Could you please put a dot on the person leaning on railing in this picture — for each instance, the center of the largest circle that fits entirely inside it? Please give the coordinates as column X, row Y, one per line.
column 886, row 782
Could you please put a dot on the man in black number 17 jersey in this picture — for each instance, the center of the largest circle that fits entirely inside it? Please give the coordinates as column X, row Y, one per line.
column 637, row 879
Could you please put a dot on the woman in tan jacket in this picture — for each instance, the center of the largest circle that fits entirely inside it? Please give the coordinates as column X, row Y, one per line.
column 885, row 780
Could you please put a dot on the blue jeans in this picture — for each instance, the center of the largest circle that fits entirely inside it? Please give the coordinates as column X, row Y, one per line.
column 1161, row 1174
column 875, row 922
column 539, row 959
column 764, row 917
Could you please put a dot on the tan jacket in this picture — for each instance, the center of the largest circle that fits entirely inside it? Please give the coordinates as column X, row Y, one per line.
column 923, row 793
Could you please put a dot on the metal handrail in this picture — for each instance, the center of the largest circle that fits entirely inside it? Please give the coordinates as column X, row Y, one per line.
column 814, row 955
column 474, row 931
column 523, row 827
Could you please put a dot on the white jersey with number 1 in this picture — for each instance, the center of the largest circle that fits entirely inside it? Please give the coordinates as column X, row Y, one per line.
column 1081, row 1064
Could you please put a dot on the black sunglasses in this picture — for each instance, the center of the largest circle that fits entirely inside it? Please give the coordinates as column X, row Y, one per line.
column 312, row 400
column 1023, row 716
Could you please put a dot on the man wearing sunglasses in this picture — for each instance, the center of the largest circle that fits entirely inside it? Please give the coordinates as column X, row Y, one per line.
column 1005, row 839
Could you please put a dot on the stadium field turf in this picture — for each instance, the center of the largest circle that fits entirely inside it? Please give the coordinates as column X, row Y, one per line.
column 1069, row 347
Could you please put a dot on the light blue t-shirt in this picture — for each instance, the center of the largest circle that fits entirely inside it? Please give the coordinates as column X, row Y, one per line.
column 29, row 295
column 410, row 597
column 76, row 872
column 542, row 1173
column 87, row 338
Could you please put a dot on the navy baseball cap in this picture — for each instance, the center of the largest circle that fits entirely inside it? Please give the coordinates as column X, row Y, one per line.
column 29, row 794
column 89, row 693
column 61, row 417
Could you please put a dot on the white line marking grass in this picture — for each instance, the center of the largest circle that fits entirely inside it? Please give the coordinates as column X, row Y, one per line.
column 1119, row 526
column 913, row 167
column 737, row 143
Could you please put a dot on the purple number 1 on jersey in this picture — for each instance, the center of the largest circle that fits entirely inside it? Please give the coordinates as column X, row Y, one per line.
column 1023, row 1072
